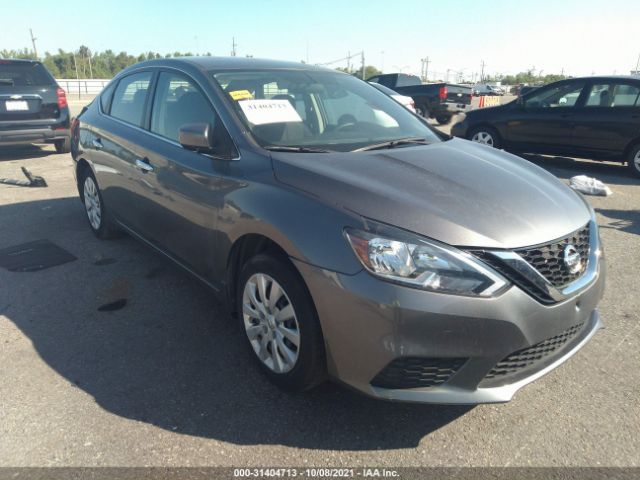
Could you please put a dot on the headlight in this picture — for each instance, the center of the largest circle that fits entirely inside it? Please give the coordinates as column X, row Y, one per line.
column 413, row 261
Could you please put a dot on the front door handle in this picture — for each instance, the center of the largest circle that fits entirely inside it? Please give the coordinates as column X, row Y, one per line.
column 97, row 144
column 144, row 165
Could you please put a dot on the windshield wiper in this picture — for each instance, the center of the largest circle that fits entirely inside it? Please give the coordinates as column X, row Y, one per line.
column 394, row 143
column 287, row 148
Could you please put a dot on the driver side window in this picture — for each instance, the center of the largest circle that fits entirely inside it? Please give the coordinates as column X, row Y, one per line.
column 560, row 96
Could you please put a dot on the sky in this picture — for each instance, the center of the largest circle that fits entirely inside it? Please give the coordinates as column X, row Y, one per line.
column 579, row 37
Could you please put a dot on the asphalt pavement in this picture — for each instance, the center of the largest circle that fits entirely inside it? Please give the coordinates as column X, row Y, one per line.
column 167, row 380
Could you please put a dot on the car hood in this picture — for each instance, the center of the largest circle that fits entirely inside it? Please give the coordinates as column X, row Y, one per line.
column 457, row 192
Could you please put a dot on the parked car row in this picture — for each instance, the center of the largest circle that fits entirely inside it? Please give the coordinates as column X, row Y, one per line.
column 349, row 238
column 433, row 100
column 594, row 117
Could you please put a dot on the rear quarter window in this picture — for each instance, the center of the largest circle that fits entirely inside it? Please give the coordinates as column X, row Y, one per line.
column 22, row 74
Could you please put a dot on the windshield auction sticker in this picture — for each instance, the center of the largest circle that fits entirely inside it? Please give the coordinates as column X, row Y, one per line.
column 241, row 95
column 261, row 112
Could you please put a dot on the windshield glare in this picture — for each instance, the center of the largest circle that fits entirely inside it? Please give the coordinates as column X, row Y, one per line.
column 324, row 110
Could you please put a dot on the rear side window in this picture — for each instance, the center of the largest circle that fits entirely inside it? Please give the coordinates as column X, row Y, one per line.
column 129, row 98
column 105, row 97
column 613, row 95
column 22, row 74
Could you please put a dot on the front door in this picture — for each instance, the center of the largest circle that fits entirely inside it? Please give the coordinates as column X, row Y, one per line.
column 544, row 121
column 184, row 188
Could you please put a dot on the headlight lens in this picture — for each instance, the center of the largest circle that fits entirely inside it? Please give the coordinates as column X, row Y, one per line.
column 419, row 263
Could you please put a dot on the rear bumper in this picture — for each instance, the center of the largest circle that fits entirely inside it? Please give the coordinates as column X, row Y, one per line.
column 30, row 134
column 453, row 108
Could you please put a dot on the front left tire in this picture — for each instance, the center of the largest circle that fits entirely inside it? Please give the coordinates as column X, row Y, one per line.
column 280, row 323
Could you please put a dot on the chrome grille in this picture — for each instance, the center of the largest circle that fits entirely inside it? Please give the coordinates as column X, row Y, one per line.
column 548, row 259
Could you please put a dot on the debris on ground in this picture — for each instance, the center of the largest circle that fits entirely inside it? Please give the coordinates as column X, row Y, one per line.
column 589, row 186
column 32, row 180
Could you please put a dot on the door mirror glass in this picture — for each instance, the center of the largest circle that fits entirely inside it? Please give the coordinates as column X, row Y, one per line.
column 196, row 136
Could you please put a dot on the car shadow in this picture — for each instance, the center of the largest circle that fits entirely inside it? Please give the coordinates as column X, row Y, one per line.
column 564, row 167
column 623, row 220
column 169, row 355
column 23, row 152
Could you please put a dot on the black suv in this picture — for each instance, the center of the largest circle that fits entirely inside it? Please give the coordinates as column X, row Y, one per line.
column 594, row 117
column 33, row 108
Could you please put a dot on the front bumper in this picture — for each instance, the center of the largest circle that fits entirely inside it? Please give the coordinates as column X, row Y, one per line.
column 368, row 323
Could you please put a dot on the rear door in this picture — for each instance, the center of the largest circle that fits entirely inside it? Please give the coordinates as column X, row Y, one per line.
column 115, row 150
column 27, row 93
column 545, row 120
column 609, row 117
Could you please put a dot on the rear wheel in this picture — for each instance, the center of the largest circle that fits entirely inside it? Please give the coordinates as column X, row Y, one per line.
column 486, row 136
column 422, row 110
column 63, row 146
column 99, row 221
column 280, row 322
column 633, row 161
column 443, row 119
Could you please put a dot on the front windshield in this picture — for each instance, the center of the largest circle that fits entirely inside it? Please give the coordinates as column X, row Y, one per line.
column 318, row 109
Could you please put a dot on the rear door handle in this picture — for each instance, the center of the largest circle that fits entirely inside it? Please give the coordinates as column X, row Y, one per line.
column 144, row 165
column 97, row 144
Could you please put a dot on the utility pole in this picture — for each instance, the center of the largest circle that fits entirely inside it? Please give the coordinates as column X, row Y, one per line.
column 75, row 64
column 33, row 42
column 233, row 46
column 482, row 65
column 638, row 64
column 362, row 59
column 425, row 69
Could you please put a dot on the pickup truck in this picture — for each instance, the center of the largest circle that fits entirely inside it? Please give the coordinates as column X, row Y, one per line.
column 433, row 100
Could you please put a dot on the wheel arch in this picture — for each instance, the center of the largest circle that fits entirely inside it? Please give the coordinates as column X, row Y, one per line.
column 82, row 165
column 632, row 144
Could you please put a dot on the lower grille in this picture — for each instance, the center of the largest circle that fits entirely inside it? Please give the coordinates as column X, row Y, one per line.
column 531, row 357
column 415, row 372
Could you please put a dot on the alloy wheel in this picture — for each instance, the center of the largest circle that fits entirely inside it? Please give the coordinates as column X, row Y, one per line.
column 636, row 161
column 483, row 137
column 270, row 323
column 92, row 203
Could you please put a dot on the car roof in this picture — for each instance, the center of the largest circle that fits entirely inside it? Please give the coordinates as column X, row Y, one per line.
column 231, row 63
column 19, row 60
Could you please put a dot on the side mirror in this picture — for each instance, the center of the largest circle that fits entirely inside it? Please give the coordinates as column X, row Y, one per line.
column 196, row 136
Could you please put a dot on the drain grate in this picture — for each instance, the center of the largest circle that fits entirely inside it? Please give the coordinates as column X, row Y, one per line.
column 34, row 256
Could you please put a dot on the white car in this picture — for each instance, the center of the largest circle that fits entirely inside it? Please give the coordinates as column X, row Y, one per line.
column 403, row 100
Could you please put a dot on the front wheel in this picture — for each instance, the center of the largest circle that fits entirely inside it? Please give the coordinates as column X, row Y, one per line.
column 486, row 136
column 633, row 161
column 281, row 324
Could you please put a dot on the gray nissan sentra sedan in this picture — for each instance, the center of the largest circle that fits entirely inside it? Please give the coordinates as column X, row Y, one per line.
column 349, row 238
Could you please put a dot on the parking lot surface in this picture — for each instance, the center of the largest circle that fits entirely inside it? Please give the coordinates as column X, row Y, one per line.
column 167, row 380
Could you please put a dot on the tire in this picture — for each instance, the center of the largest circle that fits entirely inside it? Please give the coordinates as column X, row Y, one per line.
column 423, row 111
column 99, row 220
column 485, row 136
column 264, row 331
column 443, row 119
column 633, row 161
column 63, row 146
